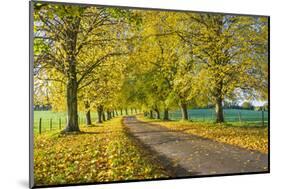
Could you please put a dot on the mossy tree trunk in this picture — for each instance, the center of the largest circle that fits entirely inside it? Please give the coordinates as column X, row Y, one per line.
column 219, row 110
column 157, row 113
column 218, row 102
column 88, row 113
column 103, row 116
column 166, row 114
column 71, row 96
column 72, row 83
column 99, row 110
column 108, row 115
column 151, row 114
column 184, row 114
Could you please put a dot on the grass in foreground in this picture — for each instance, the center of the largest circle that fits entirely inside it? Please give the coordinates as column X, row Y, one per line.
column 252, row 138
column 100, row 154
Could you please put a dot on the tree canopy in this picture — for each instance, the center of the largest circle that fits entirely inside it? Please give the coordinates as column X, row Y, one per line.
column 104, row 59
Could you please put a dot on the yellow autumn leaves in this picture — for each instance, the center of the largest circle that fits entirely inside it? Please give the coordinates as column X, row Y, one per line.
column 101, row 153
column 252, row 138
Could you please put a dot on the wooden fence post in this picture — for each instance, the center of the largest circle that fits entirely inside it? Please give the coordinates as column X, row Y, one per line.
column 40, row 122
column 59, row 123
column 51, row 124
column 204, row 116
column 239, row 116
column 262, row 117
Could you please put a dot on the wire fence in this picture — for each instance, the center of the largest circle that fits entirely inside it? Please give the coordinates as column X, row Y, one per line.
column 259, row 118
column 46, row 121
column 49, row 121
column 51, row 124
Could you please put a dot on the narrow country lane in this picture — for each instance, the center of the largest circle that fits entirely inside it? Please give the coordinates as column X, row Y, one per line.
column 189, row 155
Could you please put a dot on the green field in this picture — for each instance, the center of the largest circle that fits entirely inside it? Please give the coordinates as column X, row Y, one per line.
column 207, row 115
column 46, row 117
column 230, row 115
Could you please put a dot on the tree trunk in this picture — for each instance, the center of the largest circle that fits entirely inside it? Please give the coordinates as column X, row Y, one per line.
column 72, row 83
column 184, row 114
column 151, row 114
column 116, row 112
column 136, row 110
column 126, row 110
column 166, row 114
column 121, row 111
column 72, row 108
column 103, row 116
column 88, row 113
column 108, row 115
column 219, row 110
column 131, row 111
column 113, row 114
column 99, row 110
column 157, row 113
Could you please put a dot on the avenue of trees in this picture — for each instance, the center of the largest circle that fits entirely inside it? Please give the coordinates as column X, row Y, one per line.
column 108, row 59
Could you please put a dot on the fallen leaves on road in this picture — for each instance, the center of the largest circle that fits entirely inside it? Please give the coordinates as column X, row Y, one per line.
column 252, row 138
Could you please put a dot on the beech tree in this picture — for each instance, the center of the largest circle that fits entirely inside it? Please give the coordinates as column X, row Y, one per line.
column 66, row 35
column 229, row 47
column 159, row 52
column 109, row 59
